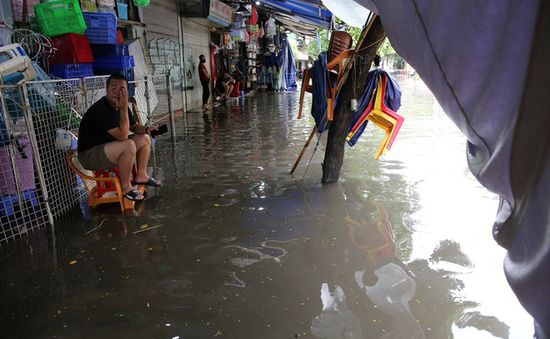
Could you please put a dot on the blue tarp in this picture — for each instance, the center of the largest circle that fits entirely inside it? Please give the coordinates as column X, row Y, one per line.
column 308, row 12
column 288, row 68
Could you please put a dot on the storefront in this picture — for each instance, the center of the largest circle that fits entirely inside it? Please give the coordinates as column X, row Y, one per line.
column 199, row 24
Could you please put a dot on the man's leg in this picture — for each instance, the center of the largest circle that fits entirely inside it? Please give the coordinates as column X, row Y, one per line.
column 122, row 153
column 143, row 152
column 205, row 95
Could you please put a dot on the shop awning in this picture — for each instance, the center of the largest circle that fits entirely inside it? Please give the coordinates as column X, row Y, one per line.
column 295, row 26
column 310, row 12
column 349, row 11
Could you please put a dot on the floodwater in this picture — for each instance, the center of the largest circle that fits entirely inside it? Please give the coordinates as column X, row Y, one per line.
column 233, row 247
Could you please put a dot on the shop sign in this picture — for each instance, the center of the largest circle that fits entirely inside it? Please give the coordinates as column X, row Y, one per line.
column 220, row 13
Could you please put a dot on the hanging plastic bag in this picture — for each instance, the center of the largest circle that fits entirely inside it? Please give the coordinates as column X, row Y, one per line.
column 63, row 139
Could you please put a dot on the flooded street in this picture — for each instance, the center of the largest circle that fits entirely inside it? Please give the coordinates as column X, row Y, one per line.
column 232, row 246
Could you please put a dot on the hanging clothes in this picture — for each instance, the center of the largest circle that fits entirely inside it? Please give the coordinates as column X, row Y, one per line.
column 319, row 94
column 270, row 27
column 253, row 19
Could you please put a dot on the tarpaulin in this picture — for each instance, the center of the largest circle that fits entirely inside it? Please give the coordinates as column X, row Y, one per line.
column 307, row 11
column 349, row 11
column 474, row 56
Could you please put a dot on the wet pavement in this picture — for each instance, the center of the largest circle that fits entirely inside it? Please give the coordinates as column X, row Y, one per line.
column 232, row 246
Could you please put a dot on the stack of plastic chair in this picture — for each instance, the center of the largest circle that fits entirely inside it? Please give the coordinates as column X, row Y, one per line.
column 338, row 51
column 378, row 113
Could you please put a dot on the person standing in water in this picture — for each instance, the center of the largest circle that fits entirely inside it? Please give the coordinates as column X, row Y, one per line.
column 205, row 81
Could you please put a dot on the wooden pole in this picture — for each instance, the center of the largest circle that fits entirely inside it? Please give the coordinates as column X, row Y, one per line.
column 365, row 51
column 303, row 150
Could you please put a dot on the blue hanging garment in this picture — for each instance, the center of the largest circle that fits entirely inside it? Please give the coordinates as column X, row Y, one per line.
column 319, row 96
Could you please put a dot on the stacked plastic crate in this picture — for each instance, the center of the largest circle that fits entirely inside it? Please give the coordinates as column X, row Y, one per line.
column 110, row 56
column 62, row 20
column 15, row 67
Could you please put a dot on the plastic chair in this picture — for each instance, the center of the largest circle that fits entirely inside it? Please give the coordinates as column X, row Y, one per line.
column 399, row 119
column 376, row 239
column 337, row 53
column 103, row 186
column 381, row 116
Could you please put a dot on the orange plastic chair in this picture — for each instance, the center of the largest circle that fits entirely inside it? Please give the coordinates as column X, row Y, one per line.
column 103, row 186
column 337, row 53
column 375, row 238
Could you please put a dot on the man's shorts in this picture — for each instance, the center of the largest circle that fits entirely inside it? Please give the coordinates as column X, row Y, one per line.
column 95, row 159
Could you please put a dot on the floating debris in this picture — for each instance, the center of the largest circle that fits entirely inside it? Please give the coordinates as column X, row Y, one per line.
column 147, row 229
column 96, row 228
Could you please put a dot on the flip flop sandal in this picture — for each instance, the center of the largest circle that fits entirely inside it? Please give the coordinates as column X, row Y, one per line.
column 133, row 195
column 151, row 182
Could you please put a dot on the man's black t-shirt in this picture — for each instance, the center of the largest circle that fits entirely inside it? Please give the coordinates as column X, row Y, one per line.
column 95, row 123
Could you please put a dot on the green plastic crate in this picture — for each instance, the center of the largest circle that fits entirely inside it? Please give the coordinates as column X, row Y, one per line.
column 59, row 17
column 141, row 3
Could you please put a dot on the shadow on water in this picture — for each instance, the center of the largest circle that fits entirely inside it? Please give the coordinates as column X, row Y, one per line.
column 232, row 246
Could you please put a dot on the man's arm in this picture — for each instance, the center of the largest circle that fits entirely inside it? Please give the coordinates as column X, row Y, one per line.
column 205, row 73
column 121, row 132
column 140, row 129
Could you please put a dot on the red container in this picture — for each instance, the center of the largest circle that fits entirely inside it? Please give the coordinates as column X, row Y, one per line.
column 71, row 49
column 119, row 38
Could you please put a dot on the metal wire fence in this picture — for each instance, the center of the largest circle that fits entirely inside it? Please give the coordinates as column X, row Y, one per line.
column 38, row 125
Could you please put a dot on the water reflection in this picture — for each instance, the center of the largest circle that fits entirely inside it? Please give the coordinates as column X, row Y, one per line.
column 246, row 251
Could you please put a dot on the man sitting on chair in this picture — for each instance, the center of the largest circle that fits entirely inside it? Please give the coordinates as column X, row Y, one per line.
column 104, row 143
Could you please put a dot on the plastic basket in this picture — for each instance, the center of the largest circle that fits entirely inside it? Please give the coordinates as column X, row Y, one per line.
column 141, row 3
column 122, row 10
column 71, row 49
column 59, row 17
column 4, row 137
column 110, row 50
column 9, row 203
column 101, row 28
column 71, row 71
column 114, row 62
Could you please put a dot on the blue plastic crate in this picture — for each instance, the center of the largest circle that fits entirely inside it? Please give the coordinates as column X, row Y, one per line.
column 4, row 137
column 124, row 61
column 101, row 28
column 100, row 50
column 8, row 201
column 70, row 71
column 122, row 10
